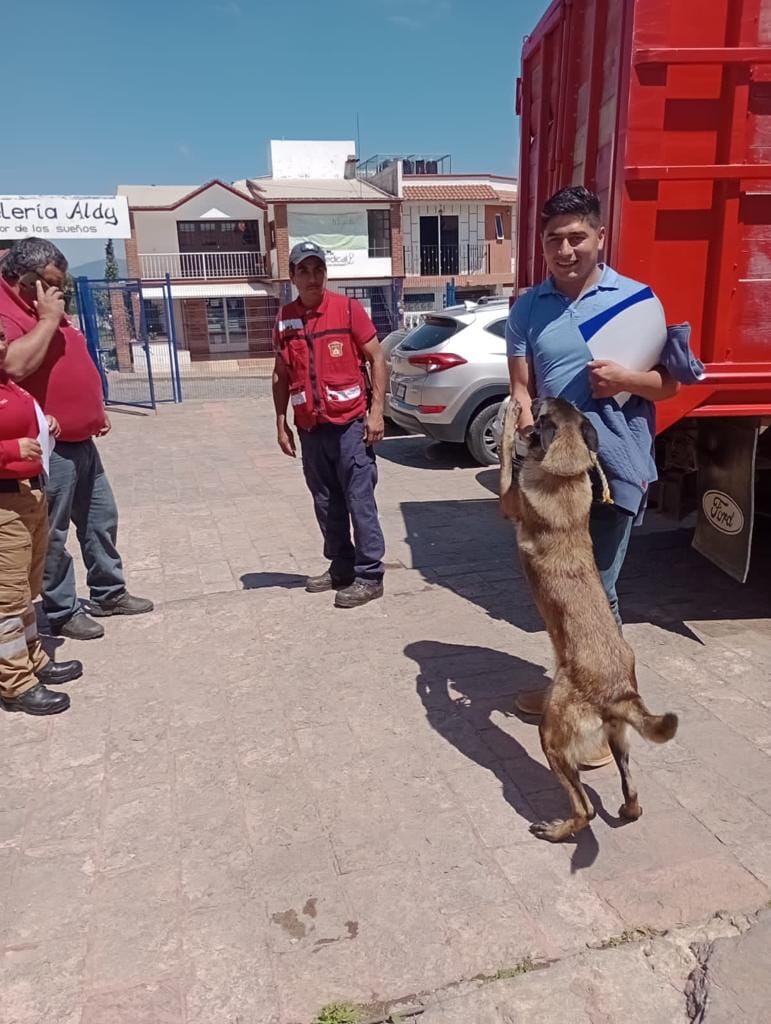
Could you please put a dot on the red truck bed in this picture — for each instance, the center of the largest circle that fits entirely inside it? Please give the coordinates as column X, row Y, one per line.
column 664, row 108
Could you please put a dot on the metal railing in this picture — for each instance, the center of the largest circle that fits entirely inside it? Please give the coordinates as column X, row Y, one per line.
column 203, row 266
column 447, row 260
column 413, row 318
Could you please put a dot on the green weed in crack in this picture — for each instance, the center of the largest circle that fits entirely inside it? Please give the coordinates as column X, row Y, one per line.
column 338, row 1013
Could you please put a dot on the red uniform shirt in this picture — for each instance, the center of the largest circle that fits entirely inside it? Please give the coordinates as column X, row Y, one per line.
column 18, row 419
column 322, row 350
column 66, row 384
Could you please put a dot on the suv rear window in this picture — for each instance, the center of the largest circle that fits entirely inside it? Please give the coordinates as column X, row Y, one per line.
column 433, row 331
column 498, row 328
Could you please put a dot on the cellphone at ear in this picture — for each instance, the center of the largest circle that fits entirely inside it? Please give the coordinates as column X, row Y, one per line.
column 29, row 280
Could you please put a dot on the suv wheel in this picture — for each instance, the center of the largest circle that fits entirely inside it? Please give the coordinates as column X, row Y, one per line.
column 480, row 440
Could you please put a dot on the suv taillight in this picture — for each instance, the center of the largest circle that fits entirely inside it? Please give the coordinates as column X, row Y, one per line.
column 437, row 361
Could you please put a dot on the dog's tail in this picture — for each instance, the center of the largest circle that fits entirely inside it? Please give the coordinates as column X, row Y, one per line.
column 506, row 452
column 632, row 710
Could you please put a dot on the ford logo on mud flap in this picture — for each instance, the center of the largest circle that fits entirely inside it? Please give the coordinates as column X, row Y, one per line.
column 722, row 512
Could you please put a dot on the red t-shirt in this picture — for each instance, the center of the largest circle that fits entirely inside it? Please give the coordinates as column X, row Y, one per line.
column 66, row 384
column 17, row 420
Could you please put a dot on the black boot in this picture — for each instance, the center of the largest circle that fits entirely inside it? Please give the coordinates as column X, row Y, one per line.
column 56, row 673
column 79, row 627
column 38, row 701
column 360, row 592
column 126, row 604
column 326, row 581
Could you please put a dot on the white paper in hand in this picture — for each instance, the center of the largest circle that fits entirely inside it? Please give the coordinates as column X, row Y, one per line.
column 45, row 439
column 632, row 333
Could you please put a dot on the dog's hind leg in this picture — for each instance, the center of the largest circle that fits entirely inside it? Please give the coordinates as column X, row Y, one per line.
column 567, row 773
column 556, row 831
column 619, row 745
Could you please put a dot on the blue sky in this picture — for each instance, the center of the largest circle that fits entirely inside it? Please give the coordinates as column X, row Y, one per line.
column 102, row 92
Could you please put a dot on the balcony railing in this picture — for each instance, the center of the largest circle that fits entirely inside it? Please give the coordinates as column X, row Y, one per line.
column 447, row 260
column 203, row 266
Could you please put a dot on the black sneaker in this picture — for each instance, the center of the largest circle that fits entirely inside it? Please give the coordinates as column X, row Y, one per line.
column 326, row 581
column 126, row 604
column 38, row 701
column 358, row 593
column 79, row 627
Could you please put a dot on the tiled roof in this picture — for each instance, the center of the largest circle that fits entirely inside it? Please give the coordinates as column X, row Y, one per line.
column 450, row 192
column 433, row 193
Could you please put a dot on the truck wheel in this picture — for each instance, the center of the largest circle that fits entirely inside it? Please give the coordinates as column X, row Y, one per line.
column 479, row 438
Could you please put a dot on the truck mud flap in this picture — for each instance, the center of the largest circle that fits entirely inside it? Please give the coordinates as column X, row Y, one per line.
column 726, row 510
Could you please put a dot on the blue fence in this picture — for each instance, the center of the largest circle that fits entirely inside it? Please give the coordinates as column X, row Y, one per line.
column 137, row 361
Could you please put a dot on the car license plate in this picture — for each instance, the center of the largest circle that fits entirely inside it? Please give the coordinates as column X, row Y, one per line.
column 400, row 392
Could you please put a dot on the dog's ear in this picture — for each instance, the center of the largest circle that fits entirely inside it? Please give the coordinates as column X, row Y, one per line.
column 589, row 434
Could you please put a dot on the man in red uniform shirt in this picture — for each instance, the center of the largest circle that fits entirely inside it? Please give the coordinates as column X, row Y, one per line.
column 322, row 341
column 49, row 355
column 24, row 666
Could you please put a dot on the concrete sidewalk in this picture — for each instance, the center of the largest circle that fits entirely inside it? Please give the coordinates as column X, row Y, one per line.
column 259, row 805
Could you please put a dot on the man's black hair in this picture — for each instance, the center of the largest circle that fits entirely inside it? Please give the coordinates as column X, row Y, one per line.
column 575, row 200
column 31, row 254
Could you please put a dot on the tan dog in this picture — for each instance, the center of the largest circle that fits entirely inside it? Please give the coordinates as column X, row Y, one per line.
column 593, row 695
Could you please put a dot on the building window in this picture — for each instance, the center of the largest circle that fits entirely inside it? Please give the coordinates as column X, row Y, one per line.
column 419, row 301
column 379, row 230
column 155, row 319
column 226, row 320
column 498, row 227
column 218, row 235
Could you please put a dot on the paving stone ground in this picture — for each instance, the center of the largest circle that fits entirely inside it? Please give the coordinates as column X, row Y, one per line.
column 258, row 805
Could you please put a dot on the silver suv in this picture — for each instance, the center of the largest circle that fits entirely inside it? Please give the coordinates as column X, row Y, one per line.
column 450, row 375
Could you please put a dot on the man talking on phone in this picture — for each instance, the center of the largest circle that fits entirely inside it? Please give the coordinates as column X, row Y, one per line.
column 322, row 342
column 49, row 355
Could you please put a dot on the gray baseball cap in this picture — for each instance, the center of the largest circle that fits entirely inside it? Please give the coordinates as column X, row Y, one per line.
column 303, row 250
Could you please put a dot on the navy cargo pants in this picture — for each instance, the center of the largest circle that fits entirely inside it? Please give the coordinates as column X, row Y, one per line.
column 341, row 474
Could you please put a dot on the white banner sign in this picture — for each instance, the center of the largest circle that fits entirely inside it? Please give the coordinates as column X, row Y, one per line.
column 332, row 231
column 64, row 216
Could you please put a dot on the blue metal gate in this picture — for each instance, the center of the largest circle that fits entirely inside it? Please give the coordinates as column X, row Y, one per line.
column 138, row 362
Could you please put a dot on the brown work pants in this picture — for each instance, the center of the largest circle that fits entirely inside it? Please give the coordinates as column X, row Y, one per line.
column 23, row 546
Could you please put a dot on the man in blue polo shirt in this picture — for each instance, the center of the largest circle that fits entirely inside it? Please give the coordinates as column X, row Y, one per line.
column 549, row 356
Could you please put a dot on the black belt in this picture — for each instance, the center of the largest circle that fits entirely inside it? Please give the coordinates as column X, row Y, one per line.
column 14, row 486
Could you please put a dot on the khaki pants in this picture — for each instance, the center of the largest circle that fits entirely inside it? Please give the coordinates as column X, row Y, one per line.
column 23, row 546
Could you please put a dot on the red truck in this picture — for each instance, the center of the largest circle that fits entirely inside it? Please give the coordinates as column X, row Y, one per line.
column 663, row 107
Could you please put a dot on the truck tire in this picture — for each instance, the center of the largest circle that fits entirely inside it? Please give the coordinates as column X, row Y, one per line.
column 479, row 438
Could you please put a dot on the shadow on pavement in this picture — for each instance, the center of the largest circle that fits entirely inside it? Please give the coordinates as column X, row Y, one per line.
column 467, row 547
column 417, row 450
column 264, row 580
column 486, row 683
column 129, row 411
column 48, row 640
column 393, row 429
